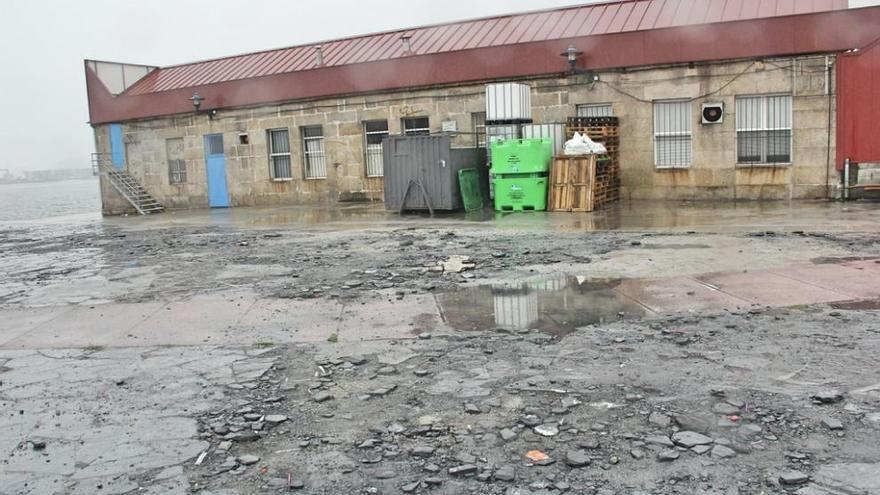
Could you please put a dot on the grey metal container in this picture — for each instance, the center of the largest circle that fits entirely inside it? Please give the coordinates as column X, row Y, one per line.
column 432, row 162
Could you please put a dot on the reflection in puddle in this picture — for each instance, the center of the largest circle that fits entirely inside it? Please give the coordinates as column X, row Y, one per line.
column 555, row 305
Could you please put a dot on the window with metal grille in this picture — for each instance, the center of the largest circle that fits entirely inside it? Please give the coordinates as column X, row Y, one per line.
column 763, row 129
column 595, row 110
column 279, row 154
column 214, row 144
column 673, row 134
column 374, row 132
column 479, row 124
column 176, row 163
column 416, row 126
column 313, row 152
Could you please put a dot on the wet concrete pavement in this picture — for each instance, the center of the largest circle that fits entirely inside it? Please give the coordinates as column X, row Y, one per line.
column 274, row 350
column 631, row 216
column 557, row 304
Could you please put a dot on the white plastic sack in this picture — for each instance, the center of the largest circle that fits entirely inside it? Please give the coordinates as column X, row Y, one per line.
column 583, row 145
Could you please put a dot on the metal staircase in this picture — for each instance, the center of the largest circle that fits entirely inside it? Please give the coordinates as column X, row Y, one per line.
column 126, row 185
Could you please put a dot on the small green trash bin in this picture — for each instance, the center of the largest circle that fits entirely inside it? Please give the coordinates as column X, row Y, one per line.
column 520, row 193
column 521, row 156
column 471, row 194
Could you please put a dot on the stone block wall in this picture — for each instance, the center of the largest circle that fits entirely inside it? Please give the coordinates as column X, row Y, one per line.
column 713, row 175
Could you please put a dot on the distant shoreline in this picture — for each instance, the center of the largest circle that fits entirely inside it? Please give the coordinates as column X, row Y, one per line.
column 47, row 181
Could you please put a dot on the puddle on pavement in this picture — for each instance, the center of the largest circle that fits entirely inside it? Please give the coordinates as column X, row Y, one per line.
column 554, row 305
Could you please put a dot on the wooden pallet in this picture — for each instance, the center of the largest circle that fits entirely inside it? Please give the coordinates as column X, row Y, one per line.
column 571, row 183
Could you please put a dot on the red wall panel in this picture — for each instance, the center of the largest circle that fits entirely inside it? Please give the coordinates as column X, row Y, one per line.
column 858, row 106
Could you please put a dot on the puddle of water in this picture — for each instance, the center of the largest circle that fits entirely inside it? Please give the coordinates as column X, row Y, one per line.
column 556, row 305
column 858, row 305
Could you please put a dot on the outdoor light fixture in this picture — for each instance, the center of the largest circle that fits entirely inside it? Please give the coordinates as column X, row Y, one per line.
column 197, row 100
column 571, row 54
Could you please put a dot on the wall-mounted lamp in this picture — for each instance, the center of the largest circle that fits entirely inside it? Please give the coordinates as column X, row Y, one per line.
column 407, row 43
column 571, row 54
column 197, row 100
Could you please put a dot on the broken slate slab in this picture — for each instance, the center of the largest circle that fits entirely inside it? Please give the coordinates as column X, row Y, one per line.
column 722, row 452
column 828, row 397
column 660, row 440
column 790, row 478
column 248, row 459
column 547, row 430
column 577, row 458
column 690, row 439
column 322, row 397
column 667, row 456
column 832, row 423
column 507, row 434
column 276, row 418
column 505, row 473
column 463, row 470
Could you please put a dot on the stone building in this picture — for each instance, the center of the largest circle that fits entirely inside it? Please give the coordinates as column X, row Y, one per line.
column 304, row 125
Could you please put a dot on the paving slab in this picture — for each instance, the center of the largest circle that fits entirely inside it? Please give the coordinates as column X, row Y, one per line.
column 679, row 294
column 19, row 321
column 202, row 320
column 769, row 289
column 84, row 326
column 856, row 282
column 389, row 318
column 286, row 320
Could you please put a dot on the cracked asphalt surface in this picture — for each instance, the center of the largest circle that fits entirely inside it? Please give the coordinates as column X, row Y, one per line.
column 738, row 399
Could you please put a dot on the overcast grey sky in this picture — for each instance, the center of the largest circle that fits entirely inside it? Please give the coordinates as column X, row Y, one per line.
column 43, row 44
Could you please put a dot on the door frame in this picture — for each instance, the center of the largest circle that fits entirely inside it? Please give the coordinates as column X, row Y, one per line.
column 220, row 198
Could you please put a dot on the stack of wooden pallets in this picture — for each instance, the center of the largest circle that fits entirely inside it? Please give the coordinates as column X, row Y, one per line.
column 572, row 180
column 605, row 130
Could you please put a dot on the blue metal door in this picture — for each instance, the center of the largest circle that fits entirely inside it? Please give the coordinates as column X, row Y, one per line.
column 117, row 147
column 215, row 160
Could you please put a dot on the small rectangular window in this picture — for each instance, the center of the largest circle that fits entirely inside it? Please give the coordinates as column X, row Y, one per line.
column 375, row 132
column 763, row 129
column 595, row 110
column 479, row 125
column 416, row 126
column 176, row 163
column 279, row 154
column 313, row 152
column 673, row 134
column 214, row 144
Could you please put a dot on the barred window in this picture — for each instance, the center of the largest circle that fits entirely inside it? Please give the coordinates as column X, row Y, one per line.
column 478, row 120
column 375, row 132
column 673, row 134
column 595, row 110
column 313, row 152
column 763, row 129
column 279, row 154
column 416, row 126
column 176, row 163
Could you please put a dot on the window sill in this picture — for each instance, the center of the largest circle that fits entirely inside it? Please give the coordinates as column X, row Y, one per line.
column 671, row 167
column 375, row 176
column 763, row 165
column 290, row 179
column 315, row 178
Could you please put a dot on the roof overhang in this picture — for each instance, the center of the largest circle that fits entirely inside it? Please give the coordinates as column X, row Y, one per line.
column 825, row 32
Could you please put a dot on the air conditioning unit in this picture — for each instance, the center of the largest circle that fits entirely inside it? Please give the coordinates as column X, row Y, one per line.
column 713, row 113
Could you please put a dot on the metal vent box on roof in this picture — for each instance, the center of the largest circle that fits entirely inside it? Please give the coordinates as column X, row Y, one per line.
column 508, row 102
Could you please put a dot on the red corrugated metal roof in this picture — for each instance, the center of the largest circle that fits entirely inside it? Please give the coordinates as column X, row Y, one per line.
column 587, row 20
